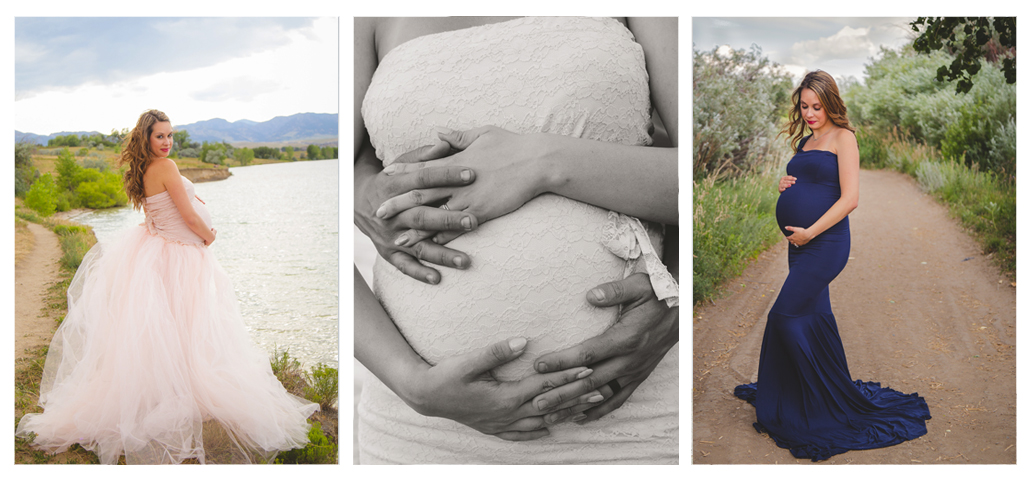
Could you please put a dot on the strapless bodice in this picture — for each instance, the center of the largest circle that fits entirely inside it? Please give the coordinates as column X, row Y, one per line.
column 164, row 219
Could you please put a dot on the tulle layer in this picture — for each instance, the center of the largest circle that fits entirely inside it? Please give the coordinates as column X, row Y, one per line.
column 153, row 362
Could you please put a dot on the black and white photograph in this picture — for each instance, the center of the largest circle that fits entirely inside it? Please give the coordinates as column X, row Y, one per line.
column 516, row 257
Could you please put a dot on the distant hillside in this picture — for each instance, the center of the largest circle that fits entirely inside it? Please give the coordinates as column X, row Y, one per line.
column 281, row 128
column 40, row 139
column 293, row 128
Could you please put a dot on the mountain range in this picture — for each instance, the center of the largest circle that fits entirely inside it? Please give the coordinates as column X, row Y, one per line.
column 298, row 127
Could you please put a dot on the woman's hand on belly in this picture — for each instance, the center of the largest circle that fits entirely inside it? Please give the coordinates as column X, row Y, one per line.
column 800, row 236
column 626, row 354
column 507, row 176
column 399, row 238
column 460, row 388
column 785, row 183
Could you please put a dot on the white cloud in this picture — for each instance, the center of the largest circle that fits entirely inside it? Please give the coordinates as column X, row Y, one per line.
column 846, row 44
column 299, row 76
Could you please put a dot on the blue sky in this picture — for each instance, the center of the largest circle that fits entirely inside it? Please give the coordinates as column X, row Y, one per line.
column 840, row 46
column 96, row 73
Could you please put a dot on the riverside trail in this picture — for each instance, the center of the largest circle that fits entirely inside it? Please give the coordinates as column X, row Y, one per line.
column 919, row 309
column 33, row 275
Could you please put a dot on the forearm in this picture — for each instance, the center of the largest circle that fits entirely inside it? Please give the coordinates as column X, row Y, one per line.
column 379, row 346
column 638, row 181
column 194, row 222
column 366, row 169
column 832, row 216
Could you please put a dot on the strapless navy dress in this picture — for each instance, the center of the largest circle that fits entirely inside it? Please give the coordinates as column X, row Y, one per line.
column 804, row 396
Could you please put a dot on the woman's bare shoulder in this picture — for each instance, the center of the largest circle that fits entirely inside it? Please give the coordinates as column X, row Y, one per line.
column 843, row 141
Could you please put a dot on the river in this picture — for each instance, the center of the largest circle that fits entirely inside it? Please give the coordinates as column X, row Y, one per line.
column 278, row 241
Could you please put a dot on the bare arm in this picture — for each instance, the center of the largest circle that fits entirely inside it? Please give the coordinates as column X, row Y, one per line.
column 512, row 169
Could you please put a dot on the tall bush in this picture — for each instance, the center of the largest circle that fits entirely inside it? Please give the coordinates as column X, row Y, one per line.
column 977, row 126
column 42, row 196
column 737, row 100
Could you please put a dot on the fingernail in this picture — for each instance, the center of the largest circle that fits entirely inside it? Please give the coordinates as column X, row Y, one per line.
column 431, row 279
column 599, row 294
column 542, row 404
column 390, row 169
column 466, row 174
column 467, row 223
column 596, row 398
column 441, row 130
column 457, row 261
column 517, row 344
column 401, row 241
column 436, row 240
column 578, row 417
column 381, row 212
column 584, row 374
column 542, row 367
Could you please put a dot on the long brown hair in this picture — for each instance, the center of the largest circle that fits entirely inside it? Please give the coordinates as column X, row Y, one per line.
column 136, row 152
column 827, row 91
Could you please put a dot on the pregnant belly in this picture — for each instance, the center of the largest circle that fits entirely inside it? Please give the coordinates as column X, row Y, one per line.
column 529, row 275
column 803, row 204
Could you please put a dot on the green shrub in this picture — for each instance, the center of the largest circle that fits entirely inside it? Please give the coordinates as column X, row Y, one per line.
column 42, row 196
column 901, row 92
column 75, row 243
column 733, row 221
column 319, row 450
column 737, row 103
column 322, row 386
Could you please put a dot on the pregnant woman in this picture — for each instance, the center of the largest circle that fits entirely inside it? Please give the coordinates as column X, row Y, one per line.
column 153, row 361
column 805, row 397
column 569, row 101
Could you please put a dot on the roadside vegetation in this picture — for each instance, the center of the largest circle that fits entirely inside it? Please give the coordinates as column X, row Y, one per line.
column 739, row 98
column 959, row 144
column 960, row 147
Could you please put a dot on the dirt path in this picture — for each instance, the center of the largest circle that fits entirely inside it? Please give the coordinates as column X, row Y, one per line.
column 32, row 276
column 919, row 309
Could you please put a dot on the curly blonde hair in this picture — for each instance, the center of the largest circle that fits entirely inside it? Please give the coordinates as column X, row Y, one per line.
column 136, row 153
column 827, row 91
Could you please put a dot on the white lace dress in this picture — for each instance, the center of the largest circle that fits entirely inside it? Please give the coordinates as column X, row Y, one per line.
column 531, row 268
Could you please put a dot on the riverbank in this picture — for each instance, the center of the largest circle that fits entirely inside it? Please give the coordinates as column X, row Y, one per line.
column 200, row 175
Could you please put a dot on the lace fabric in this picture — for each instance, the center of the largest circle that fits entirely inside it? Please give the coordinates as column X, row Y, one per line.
column 580, row 77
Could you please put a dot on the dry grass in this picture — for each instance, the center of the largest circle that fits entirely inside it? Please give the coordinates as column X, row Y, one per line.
column 24, row 240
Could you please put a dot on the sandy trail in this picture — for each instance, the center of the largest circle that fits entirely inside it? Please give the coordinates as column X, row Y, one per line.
column 919, row 310
column 33, row 276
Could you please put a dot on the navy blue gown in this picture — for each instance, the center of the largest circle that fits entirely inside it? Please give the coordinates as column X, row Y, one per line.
column 804, row 396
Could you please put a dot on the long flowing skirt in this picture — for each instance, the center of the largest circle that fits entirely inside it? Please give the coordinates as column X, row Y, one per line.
column 153, row 361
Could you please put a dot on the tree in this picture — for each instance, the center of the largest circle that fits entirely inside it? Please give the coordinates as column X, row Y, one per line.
column 288, row 153
column 67, row 169
column 244, row 156
column 180, row 140
column 24, row 171
column 42, row 196
column 313, row 151
column 969, row 39
column 328, row 152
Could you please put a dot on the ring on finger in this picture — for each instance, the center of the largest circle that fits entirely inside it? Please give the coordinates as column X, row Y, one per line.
column 445, row 207
column 614, row 385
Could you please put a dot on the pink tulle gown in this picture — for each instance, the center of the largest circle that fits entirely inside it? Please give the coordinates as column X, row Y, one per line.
column 153, row 360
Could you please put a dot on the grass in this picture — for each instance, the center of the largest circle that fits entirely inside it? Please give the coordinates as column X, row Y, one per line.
column 733, row 221
column 984, row 202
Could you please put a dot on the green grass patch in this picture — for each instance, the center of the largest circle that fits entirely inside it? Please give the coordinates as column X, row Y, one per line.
column 733, row 221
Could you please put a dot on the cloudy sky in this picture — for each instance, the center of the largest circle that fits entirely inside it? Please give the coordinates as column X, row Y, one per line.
column 95, row 74
column 840, row 46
